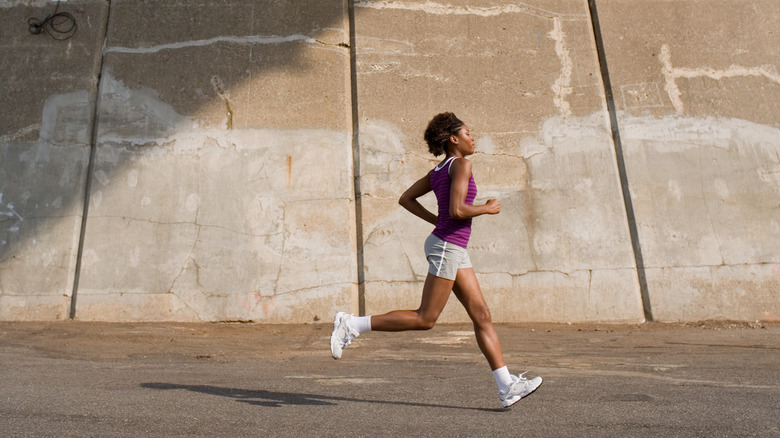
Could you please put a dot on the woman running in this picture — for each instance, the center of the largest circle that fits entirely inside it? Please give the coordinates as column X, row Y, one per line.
column 449, row 266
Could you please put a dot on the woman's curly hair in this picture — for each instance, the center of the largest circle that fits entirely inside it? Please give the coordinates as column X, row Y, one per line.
column 439, row 130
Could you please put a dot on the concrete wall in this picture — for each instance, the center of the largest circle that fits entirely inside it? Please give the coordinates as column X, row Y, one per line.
column 219, row 148
column 698, row 97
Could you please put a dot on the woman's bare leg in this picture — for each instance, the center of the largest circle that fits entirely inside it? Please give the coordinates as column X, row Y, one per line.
column 436, row 291
column 467, row 290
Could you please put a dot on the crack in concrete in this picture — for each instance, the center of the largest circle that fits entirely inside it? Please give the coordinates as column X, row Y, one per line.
column 284, row 246
column 500, row 154
column 406, row 255
column 219, row 87
column 195, row 223
column 192, row 250
column 555, row 271
column 590, row 285
column 318, row 286
column 342, row 44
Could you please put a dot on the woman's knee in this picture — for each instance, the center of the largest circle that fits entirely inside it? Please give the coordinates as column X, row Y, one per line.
column 426, row 321
column 480, row 315
column 427, row 324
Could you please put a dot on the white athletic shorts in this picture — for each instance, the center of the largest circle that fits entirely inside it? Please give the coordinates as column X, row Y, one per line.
column 445, row 258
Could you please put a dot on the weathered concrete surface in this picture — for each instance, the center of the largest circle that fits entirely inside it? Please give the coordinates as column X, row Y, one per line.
column 697, row 89
column 223, row 180
column 526, row 80
column 46, row 89
column 223, row 185
column 654, row 380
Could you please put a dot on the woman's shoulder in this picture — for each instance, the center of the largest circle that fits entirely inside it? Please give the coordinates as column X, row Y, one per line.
column 461, row 164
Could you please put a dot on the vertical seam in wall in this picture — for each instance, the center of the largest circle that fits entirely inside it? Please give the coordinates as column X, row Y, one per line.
column 90, row 167
column 621, row 164
column 356, row 160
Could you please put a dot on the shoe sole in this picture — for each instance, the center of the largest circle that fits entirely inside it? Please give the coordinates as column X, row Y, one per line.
column 335, row 342
column 524, row 396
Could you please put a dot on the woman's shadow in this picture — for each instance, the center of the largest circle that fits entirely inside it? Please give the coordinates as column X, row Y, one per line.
column 273, row 399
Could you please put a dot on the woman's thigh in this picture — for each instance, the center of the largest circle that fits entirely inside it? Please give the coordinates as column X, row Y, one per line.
column 436, row 292
column 468, row 292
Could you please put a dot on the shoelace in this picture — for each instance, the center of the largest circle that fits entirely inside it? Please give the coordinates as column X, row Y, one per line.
column 516, row 380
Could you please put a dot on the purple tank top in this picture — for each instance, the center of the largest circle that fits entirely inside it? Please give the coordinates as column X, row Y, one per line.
column 456, row 231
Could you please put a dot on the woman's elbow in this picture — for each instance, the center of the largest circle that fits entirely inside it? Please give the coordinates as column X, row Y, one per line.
column 456, row 213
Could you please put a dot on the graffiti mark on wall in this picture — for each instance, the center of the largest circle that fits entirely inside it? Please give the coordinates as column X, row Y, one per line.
column 9, row 214
column 255, row 301
column 763, row 270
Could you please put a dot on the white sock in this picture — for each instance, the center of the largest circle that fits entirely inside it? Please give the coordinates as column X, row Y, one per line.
column 360, row 324
column 503, row 378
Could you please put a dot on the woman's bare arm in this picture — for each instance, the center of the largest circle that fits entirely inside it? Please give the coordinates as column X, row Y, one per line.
column 461, row 172
column 409, row 199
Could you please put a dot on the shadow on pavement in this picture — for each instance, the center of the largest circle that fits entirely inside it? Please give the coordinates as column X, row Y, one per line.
column 273, row 399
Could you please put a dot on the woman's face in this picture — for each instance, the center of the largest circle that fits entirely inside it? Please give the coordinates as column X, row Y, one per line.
column 463, row 141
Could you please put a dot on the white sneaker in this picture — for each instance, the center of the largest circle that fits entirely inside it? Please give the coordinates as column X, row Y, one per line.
column 519, row 388
column 342, row 334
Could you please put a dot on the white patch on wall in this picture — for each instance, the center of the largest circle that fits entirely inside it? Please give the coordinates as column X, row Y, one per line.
column 381, row 143
column 125, row 112
column 97, row 198
column 230, row 39
column 193, row 201
column 562, row 86
column 7, row 210
column 102, row 178
column 642, row 95
column 721, row 188
column 487, row 145
column 676, row 133
column 135, row 256
column 380, row 55
column 383, row 46
column 674, row 190
column 434, row 8
column 132, row 178
column 66, row 118
column 672, row 73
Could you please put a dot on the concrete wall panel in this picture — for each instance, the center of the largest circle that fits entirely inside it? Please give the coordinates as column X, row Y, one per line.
column 223, row 185
column 525, row 79
column 697, row 91
column 47, row 95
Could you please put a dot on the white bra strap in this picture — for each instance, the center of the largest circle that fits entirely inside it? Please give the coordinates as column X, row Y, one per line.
column 441, row 166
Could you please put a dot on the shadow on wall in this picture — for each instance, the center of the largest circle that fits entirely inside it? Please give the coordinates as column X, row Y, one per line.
column 173, row 76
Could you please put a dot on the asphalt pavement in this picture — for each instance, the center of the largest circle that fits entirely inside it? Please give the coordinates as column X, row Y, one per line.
column 70, row 378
